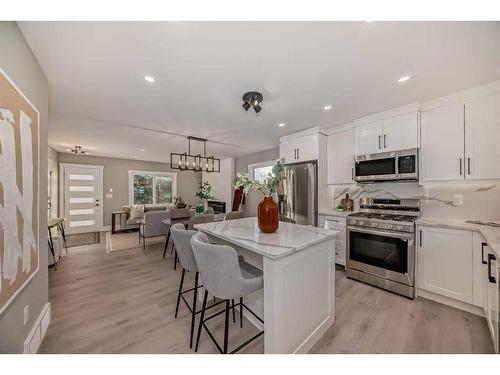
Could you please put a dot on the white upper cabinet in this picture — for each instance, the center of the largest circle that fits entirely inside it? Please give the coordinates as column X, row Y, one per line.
column 340, row 149
column 482, row 136
column 400, row 132
column 442, row 143
column 303, row 148
column 368, row 138
column 389, row 134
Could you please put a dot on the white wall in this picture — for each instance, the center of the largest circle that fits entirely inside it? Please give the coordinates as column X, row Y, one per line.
column 222, row 183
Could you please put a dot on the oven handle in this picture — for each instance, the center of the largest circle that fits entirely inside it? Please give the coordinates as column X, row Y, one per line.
column 404, row 236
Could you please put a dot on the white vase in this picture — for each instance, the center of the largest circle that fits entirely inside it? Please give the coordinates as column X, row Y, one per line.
column 205, row 205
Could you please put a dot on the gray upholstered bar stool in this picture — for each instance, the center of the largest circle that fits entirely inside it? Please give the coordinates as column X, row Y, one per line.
column 225, row 277
column 182, row 242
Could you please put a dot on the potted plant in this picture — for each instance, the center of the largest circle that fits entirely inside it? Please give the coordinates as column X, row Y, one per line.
column 205, row 193
column 267, row 211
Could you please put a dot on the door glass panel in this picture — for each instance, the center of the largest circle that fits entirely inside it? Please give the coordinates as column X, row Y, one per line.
column 82, row 211
column 379, row 251
column 163, row 187
column 81, row 200
column 81, row 223
column 82, row 177
column 81, row 188
column 376, row 167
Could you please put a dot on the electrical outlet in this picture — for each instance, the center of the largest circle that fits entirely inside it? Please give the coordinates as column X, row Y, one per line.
column 458, row 200
column 26, row 314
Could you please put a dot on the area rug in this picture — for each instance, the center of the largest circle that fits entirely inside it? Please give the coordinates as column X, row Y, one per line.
column 127, row 241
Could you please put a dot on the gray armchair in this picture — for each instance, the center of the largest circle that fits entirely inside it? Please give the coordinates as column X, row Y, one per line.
column 153, row 225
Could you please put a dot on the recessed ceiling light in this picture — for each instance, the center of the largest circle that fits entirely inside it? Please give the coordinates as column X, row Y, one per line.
column 327, row 107
column 149, row 79
column 404, row 79
column 281, row 124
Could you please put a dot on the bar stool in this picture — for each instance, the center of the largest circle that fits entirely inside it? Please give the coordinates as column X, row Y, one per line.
column 182, row 241
column 225, row 278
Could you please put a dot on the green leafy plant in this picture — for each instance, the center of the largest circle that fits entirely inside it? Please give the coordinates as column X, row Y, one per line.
column 268, row 186
column 205, row 191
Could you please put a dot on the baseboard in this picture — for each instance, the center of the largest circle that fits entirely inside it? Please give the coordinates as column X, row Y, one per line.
column 38, row 331
column 451, row 302
column 106, row 228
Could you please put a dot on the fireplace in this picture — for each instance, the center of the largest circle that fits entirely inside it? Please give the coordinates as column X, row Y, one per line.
column 219, row 207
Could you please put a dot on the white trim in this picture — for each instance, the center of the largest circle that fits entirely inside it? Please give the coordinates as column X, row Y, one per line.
column 62, row 176
column 2, row 309
column 450, row 302
column 339, row 129
column 153, row 173
column 409, row 108
column 37, row 333
column 313, row 130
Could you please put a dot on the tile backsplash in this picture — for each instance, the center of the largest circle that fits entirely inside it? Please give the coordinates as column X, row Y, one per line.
column 480, row 200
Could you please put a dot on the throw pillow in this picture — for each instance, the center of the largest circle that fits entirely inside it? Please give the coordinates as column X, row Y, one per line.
column 136, row 212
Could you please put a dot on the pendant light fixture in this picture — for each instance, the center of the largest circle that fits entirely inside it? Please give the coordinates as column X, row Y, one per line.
column 195, row 163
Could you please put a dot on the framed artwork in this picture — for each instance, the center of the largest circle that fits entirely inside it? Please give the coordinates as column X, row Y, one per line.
column 19, row 190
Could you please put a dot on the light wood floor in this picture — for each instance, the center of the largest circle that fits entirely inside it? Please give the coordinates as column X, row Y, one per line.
column 124, row 302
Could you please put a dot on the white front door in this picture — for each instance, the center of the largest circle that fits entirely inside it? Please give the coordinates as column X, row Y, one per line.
column 82, row 201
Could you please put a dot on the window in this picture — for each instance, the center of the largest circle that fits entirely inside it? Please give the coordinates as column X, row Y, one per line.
column 259, row 171
column 152, row 187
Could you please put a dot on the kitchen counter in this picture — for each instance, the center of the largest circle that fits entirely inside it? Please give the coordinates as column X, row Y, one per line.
column 289, row 238
column 490, row 234
column 297, row 302
column 335, row 213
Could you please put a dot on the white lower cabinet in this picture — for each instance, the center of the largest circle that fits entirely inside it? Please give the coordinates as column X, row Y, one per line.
column 459, row 264
column 444, row 262
column 336, row 223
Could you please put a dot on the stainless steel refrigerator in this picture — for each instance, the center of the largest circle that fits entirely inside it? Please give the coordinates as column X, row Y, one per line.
column 298, row 196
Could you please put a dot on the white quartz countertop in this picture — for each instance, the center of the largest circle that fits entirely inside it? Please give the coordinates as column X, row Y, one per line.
column 335, row 213
column 490, row 234
column 289, row 238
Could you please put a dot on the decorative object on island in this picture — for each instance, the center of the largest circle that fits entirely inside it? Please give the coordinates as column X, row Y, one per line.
column 267, row 211
column 252, row 99
column 195, row 162
column 347, row 204
column 179, row 202
column 77, row 150
column 204, row 193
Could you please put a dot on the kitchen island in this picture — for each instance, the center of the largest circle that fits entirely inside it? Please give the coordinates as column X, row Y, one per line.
column 297, row 302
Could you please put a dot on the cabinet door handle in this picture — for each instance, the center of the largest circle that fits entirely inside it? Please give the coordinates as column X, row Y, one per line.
column 352, row 174
column 420, row 235
column 460, row 162
column 482, row 253
column 384, row 141
column 295, row 154
column 298, row 155
column 379, row 142
column 468, row 166
column 491, row 279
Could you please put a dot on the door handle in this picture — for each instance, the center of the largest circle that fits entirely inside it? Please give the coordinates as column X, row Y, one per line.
column 482, row 252
column 460, row 166
column 384, row 140
column 468, row 166
column 352, row 173
column 491, row 279
column 420, row 237
column 379, row 142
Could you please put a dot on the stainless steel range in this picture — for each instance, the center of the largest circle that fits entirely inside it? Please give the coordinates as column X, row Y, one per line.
column 381, row 244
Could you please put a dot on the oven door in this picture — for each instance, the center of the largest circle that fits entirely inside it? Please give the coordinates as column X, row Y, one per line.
column 389, row 255
column 378, row 169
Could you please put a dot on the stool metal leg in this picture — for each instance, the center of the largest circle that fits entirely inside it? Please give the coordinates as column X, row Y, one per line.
column 193, row 312
column 241, row 312
column 202, row 316
column 175, row 260
column 180, row 292
column 232, row 307
column 226, row 327
column 166, row 244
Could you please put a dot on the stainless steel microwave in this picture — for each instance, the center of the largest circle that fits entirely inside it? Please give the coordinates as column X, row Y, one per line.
column 387, row 166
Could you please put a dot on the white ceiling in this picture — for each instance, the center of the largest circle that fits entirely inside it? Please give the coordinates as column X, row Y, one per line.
column 99, row 99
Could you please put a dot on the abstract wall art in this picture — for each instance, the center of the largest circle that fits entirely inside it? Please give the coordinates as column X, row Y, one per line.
column 19, row 185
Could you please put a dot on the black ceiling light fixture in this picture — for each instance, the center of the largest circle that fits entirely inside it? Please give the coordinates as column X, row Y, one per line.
column 252, row 99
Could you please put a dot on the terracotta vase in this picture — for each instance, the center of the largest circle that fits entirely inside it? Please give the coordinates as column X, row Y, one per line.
column 267, row 215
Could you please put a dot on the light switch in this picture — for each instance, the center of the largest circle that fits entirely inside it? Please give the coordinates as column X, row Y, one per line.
column 109, row 195
column 458, row 200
